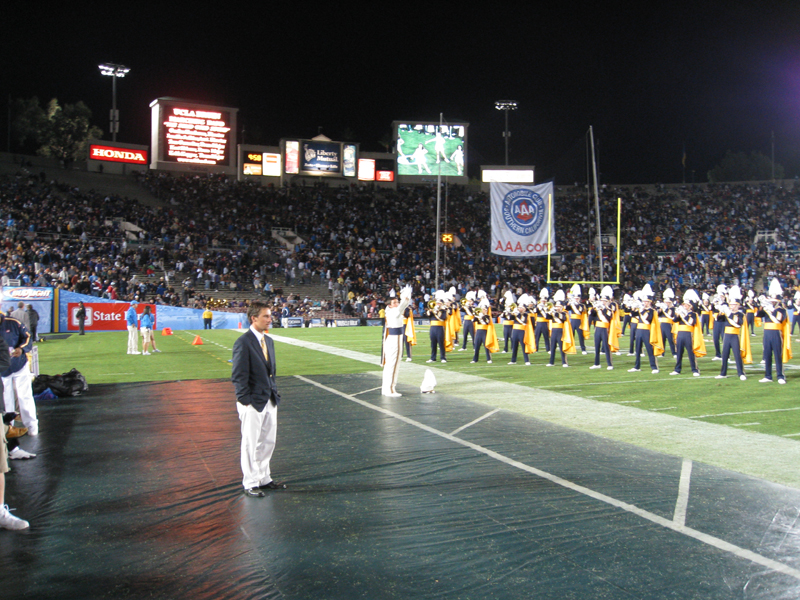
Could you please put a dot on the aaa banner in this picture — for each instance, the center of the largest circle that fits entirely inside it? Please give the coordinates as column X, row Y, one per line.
column 520, row 214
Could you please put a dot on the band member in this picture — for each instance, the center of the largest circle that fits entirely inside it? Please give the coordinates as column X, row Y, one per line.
column 484, row 331
column 648, row 332
column 469, row 317
column 507, row 318
column 625, row 312
column 410, row 337
column 735, row 336
column 542, row 321
column 520, row 327
column 602, row 315
column 453, row 320
column 393, row 337
column 690, row 335
column 560, row 331
column 666, row 318
column 438, row 313
column 633, row 310
column 777, row 344
column 578, row 317
column 750, row 308
column 705, row 313
column 718, row 318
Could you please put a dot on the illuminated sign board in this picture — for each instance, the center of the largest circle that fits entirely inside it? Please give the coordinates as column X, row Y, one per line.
column 507, row 175
column 349, row 162
column 384, row 175
column 448, row 238
column 195, row 136
column 272, row 165
column 321, row 158
column 292, row 153
column 430, row 149
column 366, row 169
column 116, row 154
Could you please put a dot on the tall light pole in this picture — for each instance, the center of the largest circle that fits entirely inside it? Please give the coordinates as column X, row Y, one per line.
column 113, row 71
column 505, row 106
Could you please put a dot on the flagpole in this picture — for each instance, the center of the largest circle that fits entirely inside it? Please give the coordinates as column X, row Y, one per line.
column 597, row 208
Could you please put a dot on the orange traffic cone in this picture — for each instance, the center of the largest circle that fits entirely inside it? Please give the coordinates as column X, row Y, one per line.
column 166, row 331
column 240, row 324
column 197, row 341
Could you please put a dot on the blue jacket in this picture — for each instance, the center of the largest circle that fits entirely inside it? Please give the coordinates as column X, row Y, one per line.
column 147, row 320
column 131, row 318
column 15, row 335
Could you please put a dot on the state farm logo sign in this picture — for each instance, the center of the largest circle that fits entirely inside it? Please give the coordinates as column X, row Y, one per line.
column 101, row 316
column 125, row 155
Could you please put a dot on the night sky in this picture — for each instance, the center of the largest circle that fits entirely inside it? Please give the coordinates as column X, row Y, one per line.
column 651, row 79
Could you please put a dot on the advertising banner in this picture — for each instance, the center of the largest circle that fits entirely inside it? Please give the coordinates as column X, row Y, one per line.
column 322, row 158
column 40, row 298
column 520, row 215
column 104, row 316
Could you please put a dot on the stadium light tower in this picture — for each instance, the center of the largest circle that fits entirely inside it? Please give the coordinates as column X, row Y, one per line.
column 505, row 106
column 113, row 71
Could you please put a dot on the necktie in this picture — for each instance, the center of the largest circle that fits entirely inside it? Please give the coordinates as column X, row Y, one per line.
column 264, row 348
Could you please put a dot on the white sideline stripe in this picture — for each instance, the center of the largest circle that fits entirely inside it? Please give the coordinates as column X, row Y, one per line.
column 628, row 401
column 679, row 517
column 667, row 408
column 478, row 420
column 705, row 538
column 790, row 434
column 744, row 424
column 745, row 412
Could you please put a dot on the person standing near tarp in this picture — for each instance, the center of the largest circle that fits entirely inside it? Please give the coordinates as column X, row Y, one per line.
column 257, row 400
column 132, row 320
column 7, row 520
column 207, row 318
column 17, row 377
column 393, row 335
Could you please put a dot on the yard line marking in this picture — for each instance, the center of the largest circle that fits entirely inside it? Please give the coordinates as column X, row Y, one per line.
column 366, row 391
column 745, row 412
column 667, row 408
column 704, row 538
column 478, row 420
column 745, row 424
column 790, row 434
column 628, row 401
column 602, row 396
column 679, row 517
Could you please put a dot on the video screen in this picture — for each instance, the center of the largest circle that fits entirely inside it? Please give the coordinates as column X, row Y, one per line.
column 192, row 135
column 428, row 149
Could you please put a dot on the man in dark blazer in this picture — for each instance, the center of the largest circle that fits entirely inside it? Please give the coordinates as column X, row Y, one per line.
column 257, row 398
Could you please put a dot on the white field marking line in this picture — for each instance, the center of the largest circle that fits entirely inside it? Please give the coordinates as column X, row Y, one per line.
column 629, row 402
column 745, row 424
column 120, row 373
column 704, row 538
column 478, row 420
column 679, row 517
column 790, row 434
column 667, row 408
column 603, row 396
column 745, row 412
column 366, row 391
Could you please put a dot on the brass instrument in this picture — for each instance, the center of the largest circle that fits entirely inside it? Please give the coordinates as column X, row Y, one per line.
column 464, row 301
column 513, row 308
column 432, row 304
column 477, row 311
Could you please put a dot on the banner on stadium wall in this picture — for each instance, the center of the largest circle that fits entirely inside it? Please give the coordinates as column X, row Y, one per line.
column 519, row 220
column 105, row 316
column 40, row 298
column 175, row 317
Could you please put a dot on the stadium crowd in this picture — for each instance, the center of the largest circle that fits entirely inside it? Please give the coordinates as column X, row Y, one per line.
column 213, row 233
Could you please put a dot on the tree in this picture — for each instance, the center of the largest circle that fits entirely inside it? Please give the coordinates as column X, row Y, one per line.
column 738, row 166
column 67, row 131
column 28, row 124
column 60, row 132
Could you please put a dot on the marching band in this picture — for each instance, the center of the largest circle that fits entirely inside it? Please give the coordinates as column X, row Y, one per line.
column 564, row 323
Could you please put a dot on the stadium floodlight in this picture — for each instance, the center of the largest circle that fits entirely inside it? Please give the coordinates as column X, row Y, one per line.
column 505, row 106
column 114, row 71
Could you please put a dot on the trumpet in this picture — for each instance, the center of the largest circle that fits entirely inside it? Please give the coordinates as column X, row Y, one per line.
column 681, row 311
column 432, row 304
column 477, row 311
column 464, row 301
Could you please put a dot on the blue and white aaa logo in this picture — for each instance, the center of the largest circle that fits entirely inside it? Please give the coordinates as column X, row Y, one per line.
column 523, row 211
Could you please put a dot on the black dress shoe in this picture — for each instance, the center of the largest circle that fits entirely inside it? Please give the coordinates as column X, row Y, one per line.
column 254, row 493
column 272, row 485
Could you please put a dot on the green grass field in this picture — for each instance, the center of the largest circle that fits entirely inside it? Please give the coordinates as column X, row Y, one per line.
column 764, row 408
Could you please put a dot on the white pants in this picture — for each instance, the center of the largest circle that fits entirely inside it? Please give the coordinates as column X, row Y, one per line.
column 19, row 384
column 392, row 349
column 133, row 339
column 259, row 431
